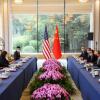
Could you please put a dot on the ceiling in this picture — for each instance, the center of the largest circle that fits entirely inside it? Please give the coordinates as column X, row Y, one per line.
column 52, row 6
column 52, row 1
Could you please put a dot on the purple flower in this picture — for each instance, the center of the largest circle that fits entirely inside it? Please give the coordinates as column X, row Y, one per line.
column 53, row 74
column 52, row 67
column 50, row 92
column 51, row 61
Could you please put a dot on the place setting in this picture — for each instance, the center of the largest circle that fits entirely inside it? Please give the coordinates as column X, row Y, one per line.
column 79, row 60
column 93, row 70
column 5, row 75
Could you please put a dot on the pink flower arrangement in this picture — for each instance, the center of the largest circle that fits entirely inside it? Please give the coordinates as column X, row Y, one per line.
column 50, row 92
column 53, row 74
column 51, row 61
column 52, row 67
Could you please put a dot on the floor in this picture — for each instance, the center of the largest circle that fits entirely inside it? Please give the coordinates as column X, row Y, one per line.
column 77, row 96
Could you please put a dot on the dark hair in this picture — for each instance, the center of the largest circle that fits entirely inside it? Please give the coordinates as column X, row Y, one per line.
column 4, row 53
column 92, row 51
column 89, row 49
column 18, row 47
column 98, row 51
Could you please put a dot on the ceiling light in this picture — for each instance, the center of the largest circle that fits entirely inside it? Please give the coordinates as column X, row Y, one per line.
column 83, row 1
column 18, row 1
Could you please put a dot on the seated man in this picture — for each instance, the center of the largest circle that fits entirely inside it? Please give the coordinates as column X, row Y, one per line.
column 84, row 53
column 3, row 61
column 17, row 53
column 92, row 58
column 98, row 60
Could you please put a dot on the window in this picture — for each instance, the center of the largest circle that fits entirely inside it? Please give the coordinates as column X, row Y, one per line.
column 24, row 31
column 76, row 30
column 28, row 22
column 50, row 13
column 23, row 26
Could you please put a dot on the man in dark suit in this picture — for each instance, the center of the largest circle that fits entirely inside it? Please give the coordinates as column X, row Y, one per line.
column 3, row 61
column 92, row 58
column 98, row 62
column 98, row 59
column 17, row 53
column 84, row 53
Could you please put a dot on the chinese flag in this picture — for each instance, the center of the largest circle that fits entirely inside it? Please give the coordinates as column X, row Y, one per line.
column 56, row 45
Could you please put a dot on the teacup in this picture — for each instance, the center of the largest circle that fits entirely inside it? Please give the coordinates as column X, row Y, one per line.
column 96, row 73
column 6, row 73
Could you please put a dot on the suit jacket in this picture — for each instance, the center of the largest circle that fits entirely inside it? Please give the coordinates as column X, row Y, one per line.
column 84, row 55
column 16, row 55
column 98, row 62
column 3, row 62
column 92, row 59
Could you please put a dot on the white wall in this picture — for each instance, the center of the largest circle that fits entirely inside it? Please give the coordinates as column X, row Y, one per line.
column 97, row 24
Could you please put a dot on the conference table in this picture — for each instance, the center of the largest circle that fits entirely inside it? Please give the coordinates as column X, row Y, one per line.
column 88, row 85
column 12, row 87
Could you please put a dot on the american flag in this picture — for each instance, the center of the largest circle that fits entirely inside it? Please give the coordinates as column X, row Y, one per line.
column 46, row 45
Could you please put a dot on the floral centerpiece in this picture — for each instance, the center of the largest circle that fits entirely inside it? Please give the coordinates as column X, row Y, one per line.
column 53, row 77
column 50, row 92
column 51, row 61
column 51, row 67
column 52, row 74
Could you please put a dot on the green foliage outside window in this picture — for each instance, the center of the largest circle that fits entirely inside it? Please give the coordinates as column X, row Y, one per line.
column 24, row 29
